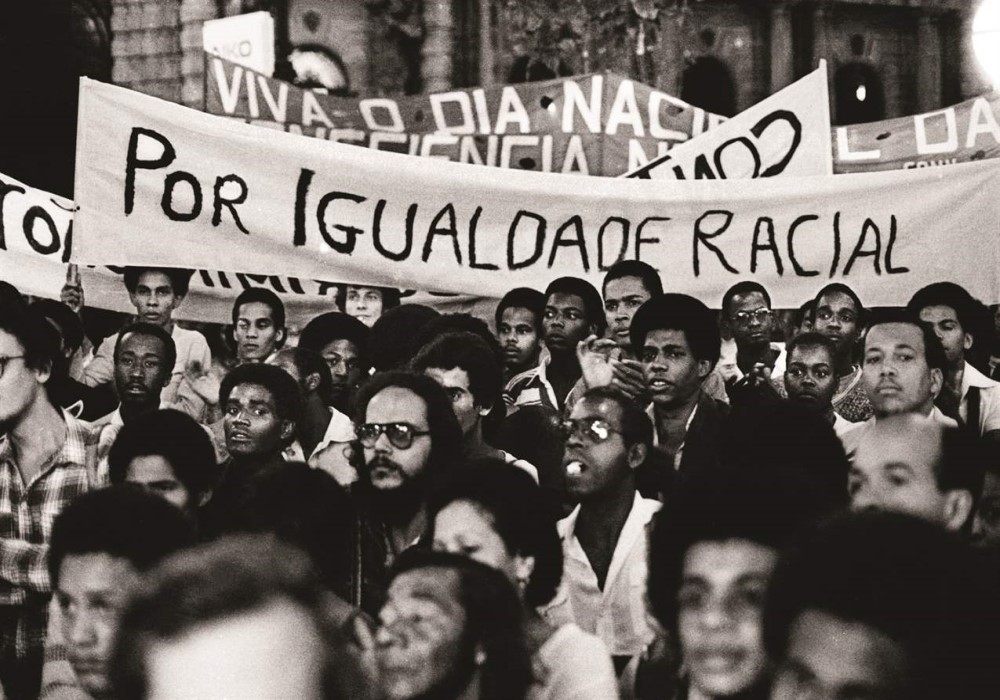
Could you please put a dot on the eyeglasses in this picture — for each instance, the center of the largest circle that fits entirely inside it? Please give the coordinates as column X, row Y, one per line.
column 592, row 430
column 5, row 360
column 400, row 435
column 743, row 318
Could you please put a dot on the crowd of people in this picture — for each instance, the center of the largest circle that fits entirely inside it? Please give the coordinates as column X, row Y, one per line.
column 604, row 494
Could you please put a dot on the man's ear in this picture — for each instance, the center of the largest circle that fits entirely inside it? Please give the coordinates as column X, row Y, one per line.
column 280, row 337
column 205, row 498
column 287, row 430
column 937, row 382
column 957, row 508
column 636, row 455
column 968, row 340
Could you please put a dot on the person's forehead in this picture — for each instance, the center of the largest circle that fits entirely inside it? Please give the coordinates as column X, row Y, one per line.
column 749, row 301
column 9, row 345
column 914, row 447
column 597, row 408
column 341, row 346
column 431, row 584
column 810, row 355
column 154, row 280
column 364, row 290
column 150, row 468
column 396, row 404
column 251, row 393
column 836, row 301
column 627, row 286
column 143, row 343
column 938, row 312
column 253, row 310
column 95, row 572
column 662, row 337
column 895, row 334
column 456, row 377
column 562, row 300
column 517, row 314
column 728, row 560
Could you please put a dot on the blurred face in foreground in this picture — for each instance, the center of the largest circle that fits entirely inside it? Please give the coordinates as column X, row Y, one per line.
column 719, row 614
column 272, row 653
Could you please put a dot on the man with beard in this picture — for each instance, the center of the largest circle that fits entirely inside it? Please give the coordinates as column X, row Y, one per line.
column 144, row 356
column 342, row 341
column 839, row 315
column 261, row 405
column 450, row 629
column 810, row 379
column 604, row 539
column 322, row 432
column 408, row 438
column 573, row 311
column 44, row 465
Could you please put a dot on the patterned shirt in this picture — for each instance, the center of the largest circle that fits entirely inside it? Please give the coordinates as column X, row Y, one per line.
column 851, row 400
column 27, row 512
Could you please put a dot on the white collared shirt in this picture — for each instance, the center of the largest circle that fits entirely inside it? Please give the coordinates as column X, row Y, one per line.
column 330, row 453
column 989, row 399
column 616, row 614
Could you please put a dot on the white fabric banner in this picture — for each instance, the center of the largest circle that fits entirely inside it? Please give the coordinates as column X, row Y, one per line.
column 159, row 184
column 786, row 134
column 36, row 237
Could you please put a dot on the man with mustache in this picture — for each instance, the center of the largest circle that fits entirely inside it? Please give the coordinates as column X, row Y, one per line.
column 573, row 312
column 811, row 379
column 903, row 371
column 144, row 357
column 408, row 440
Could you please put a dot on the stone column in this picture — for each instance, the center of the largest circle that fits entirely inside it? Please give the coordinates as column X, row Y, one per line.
column 145, row 47
column 193, row 15
column 782, row 70
column 821, row 42
column 436, row 53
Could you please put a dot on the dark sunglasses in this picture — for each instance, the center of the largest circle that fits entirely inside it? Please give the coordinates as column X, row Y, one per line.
column 400, row 435
column 592, row 430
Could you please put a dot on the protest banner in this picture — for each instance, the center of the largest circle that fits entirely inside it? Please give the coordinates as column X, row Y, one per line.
column 158, row 183
column 786, row 134
column 247, row 40
column 36, row 240
column 600, row 124
column 965, row 132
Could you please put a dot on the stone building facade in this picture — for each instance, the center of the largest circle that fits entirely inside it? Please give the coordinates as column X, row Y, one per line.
column 910, row 55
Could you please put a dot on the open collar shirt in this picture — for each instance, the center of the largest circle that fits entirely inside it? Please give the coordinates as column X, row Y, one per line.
column 616, row 614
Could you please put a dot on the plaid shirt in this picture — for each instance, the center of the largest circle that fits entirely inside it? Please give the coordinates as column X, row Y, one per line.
column 27, row 512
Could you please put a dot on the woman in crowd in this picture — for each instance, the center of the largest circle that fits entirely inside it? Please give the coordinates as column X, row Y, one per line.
column 495, row 514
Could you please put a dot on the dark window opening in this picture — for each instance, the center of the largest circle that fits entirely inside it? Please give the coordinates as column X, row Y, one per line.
column 708, row 83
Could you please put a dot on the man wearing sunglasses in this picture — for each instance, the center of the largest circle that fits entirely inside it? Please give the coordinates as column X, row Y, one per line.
column 604, row 539
column 408, row 439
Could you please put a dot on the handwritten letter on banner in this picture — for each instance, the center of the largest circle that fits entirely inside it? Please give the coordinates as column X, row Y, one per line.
column 786, row 134
column 161, row 184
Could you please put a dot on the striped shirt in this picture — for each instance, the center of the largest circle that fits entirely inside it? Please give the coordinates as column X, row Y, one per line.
column 27, row 512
